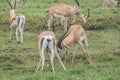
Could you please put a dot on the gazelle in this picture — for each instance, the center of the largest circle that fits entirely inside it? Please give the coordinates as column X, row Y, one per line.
column 47, row 39
column 16, row 20
column 110, row 2
column 64, row 11
column 75, row 34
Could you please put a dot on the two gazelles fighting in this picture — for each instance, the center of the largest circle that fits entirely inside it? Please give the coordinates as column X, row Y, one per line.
column 64, row 11
column 75, row 35
column 16, row 20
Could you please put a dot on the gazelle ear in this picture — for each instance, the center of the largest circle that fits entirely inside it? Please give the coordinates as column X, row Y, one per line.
column 9, row 4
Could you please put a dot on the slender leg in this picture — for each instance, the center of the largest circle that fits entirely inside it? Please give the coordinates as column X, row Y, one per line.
column 44, row 46
column 43, row 60
column 73, row 57
column 10, row 32
column 52, row 61
column 67, row 48
column 50, row 22
column 21, row 36
column 85, row 53
column 82, row 48
column 38, row 65
column 17, row 34
column 40, row 61
column 65, row 24
column 65, row 60
column 22, row 31
column 59, row 59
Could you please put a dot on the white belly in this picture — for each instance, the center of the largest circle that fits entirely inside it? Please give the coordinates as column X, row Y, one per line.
column 59, row 16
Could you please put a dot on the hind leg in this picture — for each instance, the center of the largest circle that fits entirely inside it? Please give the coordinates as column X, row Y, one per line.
column 52, row 61
column 73, row 57
column 86, row 54
column 59, row 58
column 38, row 65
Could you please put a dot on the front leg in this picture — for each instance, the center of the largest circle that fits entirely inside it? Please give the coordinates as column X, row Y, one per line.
column 65, row 23
column 49, row 22
column 52, row 60
column 17, row 34
column 65, row 60
column 73, row 57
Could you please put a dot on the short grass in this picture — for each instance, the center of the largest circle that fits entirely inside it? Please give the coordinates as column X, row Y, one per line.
column 19, row 61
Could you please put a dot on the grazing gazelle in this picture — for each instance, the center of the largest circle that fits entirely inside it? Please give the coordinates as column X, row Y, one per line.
column 110, row 2
column 47, row 39
column 16, row 20
column 74, row 35
column 64, row 11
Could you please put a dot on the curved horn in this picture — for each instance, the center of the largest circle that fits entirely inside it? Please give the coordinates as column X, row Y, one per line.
column 9, row 4
column 88, row 14
column 14, row 4
column 61, row 39
column 77, row 2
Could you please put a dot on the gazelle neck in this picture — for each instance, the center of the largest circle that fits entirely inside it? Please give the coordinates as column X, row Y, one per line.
column 12, row 13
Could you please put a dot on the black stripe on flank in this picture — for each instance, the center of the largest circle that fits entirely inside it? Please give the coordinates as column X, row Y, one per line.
column 61, row 39
column 18, row 20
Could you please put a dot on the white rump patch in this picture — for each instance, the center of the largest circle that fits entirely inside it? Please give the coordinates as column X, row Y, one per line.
column 46, row 43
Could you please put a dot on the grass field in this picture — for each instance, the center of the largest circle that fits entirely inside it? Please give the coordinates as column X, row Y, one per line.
column 19, row 61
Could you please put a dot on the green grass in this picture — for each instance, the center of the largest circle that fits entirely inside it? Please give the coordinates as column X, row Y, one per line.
column 19, row 61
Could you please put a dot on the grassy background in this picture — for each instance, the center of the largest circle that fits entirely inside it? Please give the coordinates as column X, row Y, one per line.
column 19, row 61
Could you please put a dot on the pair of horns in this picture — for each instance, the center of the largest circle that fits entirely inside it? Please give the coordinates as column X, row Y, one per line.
column 12, row 7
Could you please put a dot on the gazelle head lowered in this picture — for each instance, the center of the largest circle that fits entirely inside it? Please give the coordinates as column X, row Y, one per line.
column 75, row 35
column 64, row 11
